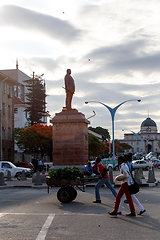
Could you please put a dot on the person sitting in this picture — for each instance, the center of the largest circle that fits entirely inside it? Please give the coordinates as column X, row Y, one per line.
column 88, row 169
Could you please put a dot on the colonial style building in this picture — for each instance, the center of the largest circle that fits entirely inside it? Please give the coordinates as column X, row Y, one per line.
column 146, row 140
column 7, row 117
column 17, row 97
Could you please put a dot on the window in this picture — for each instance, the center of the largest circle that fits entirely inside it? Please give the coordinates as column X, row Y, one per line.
column 3, row 109
column 15, row 110
column 3, row 133
column 9, row 134
column 7, row 88
column 9, row 111
column 5, row 165
column 4, row 88
column 16, row 91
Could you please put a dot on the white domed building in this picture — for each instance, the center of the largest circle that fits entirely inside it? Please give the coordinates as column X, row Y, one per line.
column 146, row 140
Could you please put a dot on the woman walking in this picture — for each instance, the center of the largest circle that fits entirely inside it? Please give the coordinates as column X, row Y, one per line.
column 124, row 189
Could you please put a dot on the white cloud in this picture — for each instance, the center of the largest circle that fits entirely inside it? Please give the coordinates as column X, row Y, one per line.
column 26, row 19
column 111, row 46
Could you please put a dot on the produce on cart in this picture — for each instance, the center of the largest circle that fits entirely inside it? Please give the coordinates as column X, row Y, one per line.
column 67, row 179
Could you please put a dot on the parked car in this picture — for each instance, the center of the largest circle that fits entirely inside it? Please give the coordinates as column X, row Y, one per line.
column 15, row 171
column 141, row 164
column 108, row 163
column 156, row 163
column 150, row 156
column 25, row 165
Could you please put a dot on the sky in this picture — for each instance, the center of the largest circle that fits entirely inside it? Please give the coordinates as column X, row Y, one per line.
column 111, row 46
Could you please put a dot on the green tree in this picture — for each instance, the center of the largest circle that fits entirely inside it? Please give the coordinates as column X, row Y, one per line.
column 35, row 139
column 35, row 99
column 96, row 147
column 124, row 146
column 102, row 131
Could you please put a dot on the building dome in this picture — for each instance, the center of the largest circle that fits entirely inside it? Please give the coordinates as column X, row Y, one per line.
column 148, row 123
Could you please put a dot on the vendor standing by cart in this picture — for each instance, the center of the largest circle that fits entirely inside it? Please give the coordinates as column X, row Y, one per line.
column 104, row 179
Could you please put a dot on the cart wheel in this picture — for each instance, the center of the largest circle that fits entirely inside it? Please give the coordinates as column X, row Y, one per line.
column 65, row 195
column 74, row 192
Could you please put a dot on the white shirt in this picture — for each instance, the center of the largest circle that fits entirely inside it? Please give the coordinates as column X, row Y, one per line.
column 124, row 169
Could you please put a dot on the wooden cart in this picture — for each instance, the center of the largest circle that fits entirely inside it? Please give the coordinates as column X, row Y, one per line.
column 67, row 192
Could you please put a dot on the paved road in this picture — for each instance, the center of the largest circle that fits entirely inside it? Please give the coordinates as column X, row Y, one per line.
column 33, row 214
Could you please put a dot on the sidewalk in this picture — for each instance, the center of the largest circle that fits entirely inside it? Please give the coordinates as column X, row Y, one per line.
column 22, row 183
column 28, row 182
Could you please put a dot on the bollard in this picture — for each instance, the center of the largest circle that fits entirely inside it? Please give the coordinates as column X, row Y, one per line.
column 137, row 176
column 9, row 176
column 141, row 173
column 151, row 176
column 2, row 183
column 23, row 176
column 111, row 176
column 38, row 179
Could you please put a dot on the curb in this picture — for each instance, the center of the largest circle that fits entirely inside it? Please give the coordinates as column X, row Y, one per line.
column 23, row 186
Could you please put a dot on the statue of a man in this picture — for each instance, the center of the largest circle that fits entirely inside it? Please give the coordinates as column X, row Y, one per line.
column 70, row 88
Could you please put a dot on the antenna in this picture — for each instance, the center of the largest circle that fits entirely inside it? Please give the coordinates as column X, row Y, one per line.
column 16, row 63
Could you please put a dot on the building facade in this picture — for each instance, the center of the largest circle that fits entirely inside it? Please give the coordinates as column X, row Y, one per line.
column 7, row 117
column 146, row 140
column 18, row 96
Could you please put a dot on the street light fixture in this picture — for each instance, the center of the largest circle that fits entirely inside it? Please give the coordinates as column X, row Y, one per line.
column 112, row 112
column 135, row 134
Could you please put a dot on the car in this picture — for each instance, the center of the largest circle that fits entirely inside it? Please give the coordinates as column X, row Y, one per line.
column 108, row 163
column 136, row 164
column 156, row 163
column 25, row 165
column 6, row 166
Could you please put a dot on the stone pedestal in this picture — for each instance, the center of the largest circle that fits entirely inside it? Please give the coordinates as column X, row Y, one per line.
column 70, row 138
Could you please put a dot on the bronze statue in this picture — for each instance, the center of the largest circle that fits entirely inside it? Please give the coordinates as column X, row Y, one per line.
column 70, row 88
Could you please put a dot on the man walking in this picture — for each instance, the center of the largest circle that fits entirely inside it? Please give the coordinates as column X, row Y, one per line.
column 104, row 179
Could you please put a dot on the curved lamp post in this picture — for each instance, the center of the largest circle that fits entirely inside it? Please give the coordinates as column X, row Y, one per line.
column 112, row 112
column 135, row 134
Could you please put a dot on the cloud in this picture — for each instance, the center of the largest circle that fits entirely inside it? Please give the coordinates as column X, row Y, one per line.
column 46, row 64
column 27, row 19
column 125, row 58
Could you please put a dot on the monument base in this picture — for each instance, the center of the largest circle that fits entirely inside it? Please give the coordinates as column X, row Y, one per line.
column 70, row 138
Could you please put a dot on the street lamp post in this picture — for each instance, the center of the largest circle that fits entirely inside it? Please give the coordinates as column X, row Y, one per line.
column 142, row 144
column 112, row 112
column 136, row 136
column 147, row 140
